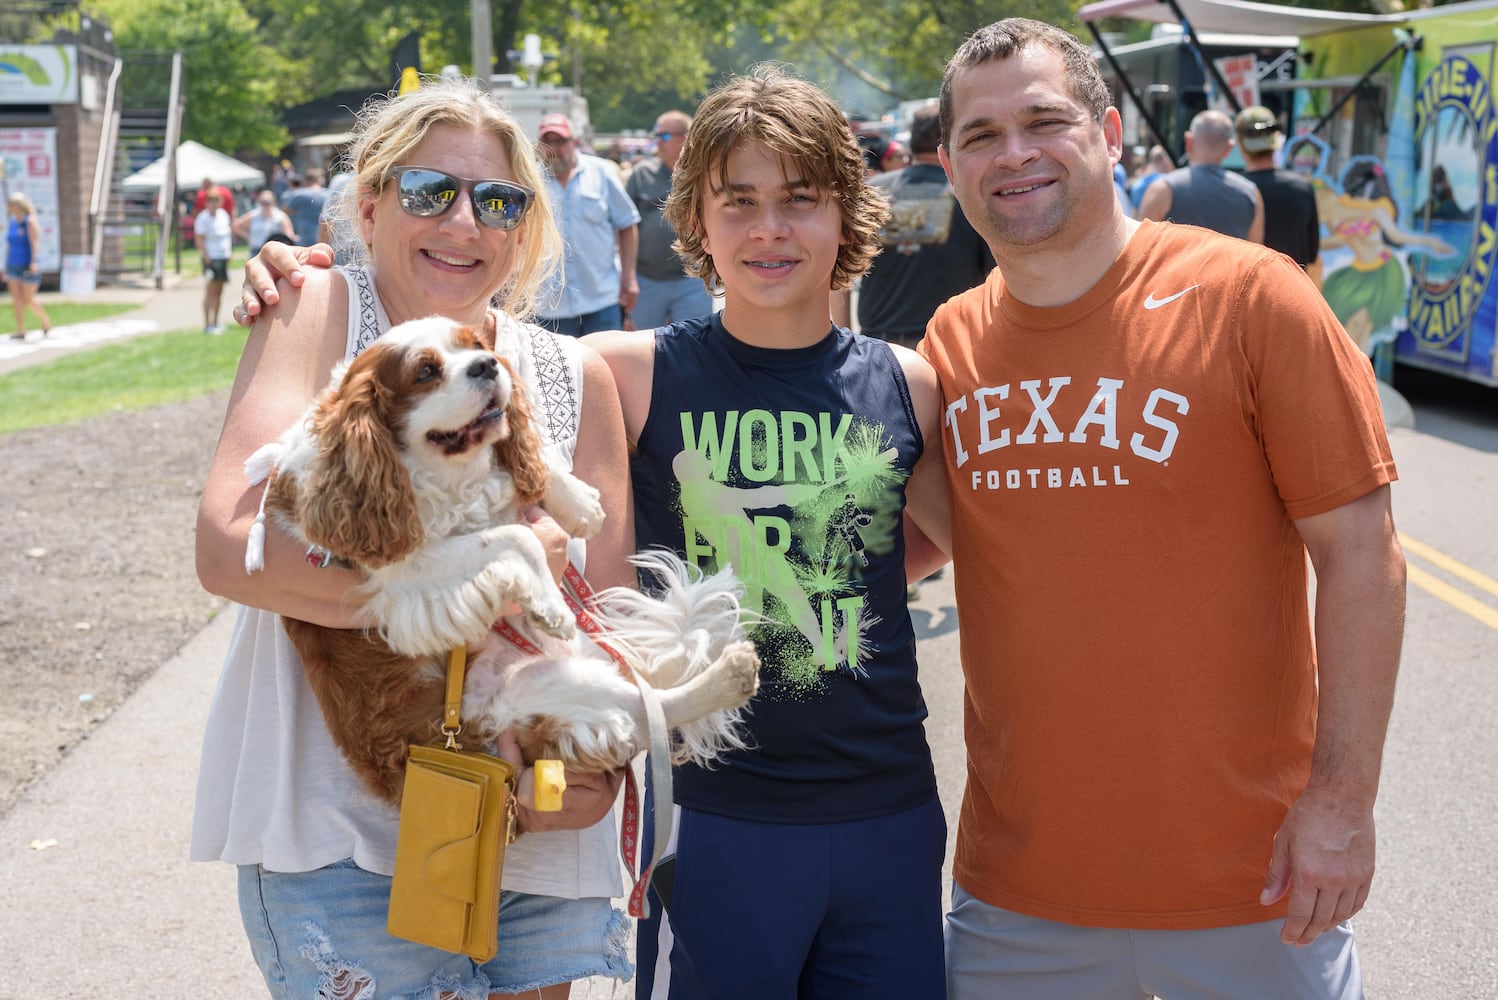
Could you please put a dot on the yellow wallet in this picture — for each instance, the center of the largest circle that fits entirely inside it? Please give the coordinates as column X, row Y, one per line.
column 457, row 816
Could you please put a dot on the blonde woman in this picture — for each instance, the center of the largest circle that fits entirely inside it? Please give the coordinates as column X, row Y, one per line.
column 23, row 271
column 450, row 208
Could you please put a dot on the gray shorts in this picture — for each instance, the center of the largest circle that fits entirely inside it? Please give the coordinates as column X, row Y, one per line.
column 998, row 953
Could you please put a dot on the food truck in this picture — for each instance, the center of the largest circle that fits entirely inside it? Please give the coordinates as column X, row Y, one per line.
column 1392, row 118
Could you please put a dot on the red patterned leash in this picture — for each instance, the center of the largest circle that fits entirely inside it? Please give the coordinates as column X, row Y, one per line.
column 659, row 756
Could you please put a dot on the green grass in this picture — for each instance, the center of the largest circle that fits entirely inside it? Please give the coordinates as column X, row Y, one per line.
column 130, row 375
column 60, row 313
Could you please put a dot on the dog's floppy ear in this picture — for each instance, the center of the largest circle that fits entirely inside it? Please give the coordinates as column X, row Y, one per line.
column 357, row 500
column 520, row 450
column 489, row 332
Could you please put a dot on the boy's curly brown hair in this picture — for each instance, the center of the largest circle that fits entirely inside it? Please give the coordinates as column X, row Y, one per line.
column 788, row 116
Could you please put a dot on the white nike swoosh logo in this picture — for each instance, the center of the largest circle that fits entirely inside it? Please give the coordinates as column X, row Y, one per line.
column 1151, row 302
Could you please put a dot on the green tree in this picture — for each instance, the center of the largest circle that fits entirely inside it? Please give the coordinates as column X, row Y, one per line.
column 232, row 99
column 895, row 48
column 332, row 45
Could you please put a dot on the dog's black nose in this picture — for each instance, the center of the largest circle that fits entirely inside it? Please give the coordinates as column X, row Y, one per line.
column 484, row 368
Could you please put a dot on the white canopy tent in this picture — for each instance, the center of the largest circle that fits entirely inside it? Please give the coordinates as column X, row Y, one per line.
column 194, row 162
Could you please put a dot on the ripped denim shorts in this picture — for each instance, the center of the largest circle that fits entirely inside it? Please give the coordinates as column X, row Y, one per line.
column 322, row 934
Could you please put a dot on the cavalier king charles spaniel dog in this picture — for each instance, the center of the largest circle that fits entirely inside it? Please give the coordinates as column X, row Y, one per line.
column 412, row 466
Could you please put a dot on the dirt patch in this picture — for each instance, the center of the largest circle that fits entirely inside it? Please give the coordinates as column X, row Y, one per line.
column 97, row 580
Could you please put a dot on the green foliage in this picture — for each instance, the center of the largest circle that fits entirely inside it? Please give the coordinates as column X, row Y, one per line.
column 640, row 61
column 331, row 45
column 231, row 74
column 131, row 375
column 249, row 59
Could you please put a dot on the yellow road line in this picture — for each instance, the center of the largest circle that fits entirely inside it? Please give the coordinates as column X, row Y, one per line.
column 1437, row 587
column 1441, row 560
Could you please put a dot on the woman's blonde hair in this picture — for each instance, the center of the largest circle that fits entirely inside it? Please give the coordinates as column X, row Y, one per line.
column 390, row 128
column 790, row 117
column 19, row 200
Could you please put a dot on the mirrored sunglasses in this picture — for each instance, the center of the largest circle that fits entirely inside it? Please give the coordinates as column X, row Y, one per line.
column 665, row 136
column 428, row 193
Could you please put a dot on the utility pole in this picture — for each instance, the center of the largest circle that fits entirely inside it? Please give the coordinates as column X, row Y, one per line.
column 577, row 56
column 483, row 43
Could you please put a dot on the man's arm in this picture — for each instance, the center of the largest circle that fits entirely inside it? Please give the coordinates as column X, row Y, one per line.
column 629, row 247
column 1155, row 204
column 1256, row 227
column 1324, row 851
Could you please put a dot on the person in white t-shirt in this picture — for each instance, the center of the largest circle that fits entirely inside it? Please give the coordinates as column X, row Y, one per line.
column 213, row 232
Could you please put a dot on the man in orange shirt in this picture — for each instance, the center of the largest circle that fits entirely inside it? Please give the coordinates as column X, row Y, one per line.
column 1148, row 429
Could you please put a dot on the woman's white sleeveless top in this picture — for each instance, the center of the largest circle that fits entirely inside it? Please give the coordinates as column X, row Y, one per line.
column 273, row 789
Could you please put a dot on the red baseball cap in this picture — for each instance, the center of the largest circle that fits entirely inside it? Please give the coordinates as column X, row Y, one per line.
column 555, row 124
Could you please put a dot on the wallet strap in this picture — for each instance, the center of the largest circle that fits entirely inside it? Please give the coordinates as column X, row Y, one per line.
column 452, row 711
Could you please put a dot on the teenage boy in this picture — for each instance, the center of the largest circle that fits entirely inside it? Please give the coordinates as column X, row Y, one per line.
column 767, row 439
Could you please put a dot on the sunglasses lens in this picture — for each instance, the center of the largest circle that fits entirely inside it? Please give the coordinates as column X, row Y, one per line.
column 429, row 193
column 426, row 193
column 500, row 205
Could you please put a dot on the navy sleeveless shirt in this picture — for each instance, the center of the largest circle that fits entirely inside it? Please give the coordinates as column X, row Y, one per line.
column 790, row 466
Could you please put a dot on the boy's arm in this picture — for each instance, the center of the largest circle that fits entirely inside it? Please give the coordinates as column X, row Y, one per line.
column 928, row 536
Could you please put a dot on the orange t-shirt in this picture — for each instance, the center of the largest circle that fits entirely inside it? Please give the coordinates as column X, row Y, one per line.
column 1123, row 471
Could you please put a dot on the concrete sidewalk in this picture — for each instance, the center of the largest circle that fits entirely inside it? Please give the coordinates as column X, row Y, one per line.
column 99, row 897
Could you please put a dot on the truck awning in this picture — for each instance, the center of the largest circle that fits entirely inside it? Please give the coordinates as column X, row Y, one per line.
column 1239, row 16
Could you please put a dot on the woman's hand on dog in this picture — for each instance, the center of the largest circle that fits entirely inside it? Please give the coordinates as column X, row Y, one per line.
column 589, row 796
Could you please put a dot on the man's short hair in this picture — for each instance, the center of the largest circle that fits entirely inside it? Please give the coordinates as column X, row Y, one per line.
column 1003, row 39
column 925, row 129
column 1213, row 126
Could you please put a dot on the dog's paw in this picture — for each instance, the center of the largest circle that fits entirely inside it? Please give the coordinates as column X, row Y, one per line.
column 741, row 666
column 590, row 520
column 577, row 507
column 551, row 615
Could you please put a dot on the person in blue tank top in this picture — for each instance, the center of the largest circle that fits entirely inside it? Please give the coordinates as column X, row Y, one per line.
column 767, row 438
column 23, row 271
